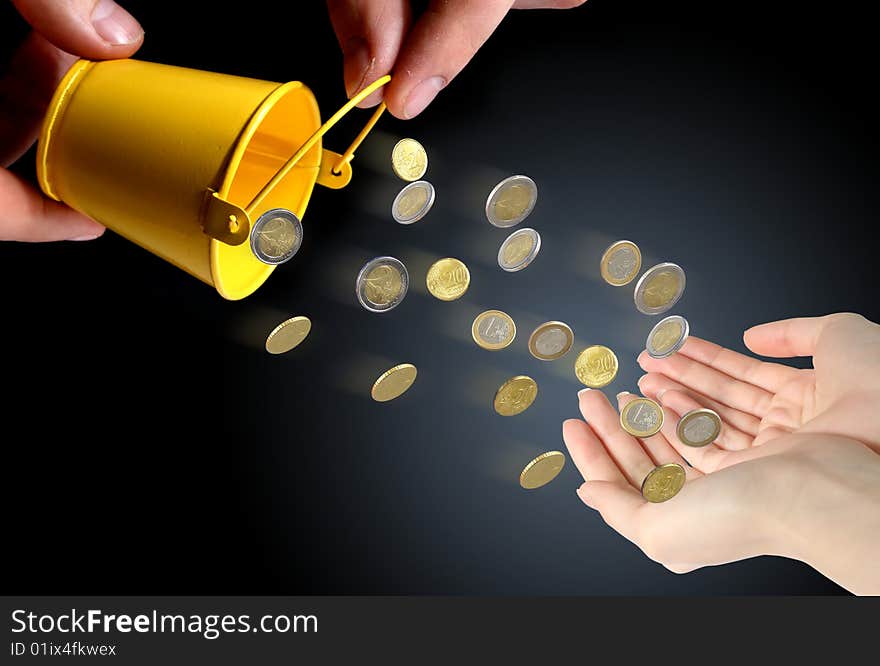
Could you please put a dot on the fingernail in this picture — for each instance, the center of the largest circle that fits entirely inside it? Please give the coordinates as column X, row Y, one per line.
column 84, row 238
column 621, row 394
column 115, row 25
column 641, row 357
column 584, row 495
column 422, row 95
column 660, row 395
column 582, row 391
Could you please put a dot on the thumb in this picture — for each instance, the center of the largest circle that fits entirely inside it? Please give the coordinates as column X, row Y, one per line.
column 793, row 337
column 95, row 29
column 619, row 504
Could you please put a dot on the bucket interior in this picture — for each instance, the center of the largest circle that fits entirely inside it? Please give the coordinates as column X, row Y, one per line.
column 283, row 123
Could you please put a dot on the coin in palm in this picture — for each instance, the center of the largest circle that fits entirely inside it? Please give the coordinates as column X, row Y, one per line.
column 663, row 482
column 699, row 427
column 641, row 417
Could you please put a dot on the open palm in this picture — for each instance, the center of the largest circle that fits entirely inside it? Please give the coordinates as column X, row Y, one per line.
column 760, row 401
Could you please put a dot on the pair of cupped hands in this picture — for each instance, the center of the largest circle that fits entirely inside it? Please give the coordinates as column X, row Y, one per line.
column 795, row 471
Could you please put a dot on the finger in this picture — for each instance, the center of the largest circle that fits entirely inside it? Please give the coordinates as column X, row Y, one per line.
column 96, row 29
column 768, row 376
column 588, row 454
column 794, row 337
column 652, row 383
column 620, row 504
column 769, row 434
column 26, row 88
column 710, row 382
column 624, row 449
column 370, row 34
column 730, row 438
column 656, row 446
column 547, row 4
column 441, row 43
column 26, row 215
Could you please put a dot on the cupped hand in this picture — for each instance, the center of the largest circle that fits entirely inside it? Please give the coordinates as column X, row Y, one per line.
column 796, row 496
column 760, row 401
column 378, row 37
column 62, row 30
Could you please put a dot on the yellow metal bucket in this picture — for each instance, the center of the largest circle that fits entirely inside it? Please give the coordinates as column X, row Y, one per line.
column 183, row 162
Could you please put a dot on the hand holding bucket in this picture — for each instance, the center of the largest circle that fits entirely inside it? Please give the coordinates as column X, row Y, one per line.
column 185, row 163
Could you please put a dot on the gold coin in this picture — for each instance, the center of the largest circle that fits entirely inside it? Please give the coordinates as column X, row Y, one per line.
column 620, row 263
column 551, row 341
column 448, row 279
column 288, row 334
column 516, row 395
column 641, row 417
column 596, row 366
column 542, row 470
column 699, row 427
column 409, row 160
column 394, row 383
column 493, row 330
column 663, row 482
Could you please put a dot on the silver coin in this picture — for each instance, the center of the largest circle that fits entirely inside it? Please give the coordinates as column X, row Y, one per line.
column 511, row 201
column 519, row 249
column 551, row 341
column 699, row 427
column 413, row 202
column 644, row 418
column 276, row 236
column 667, row 337
column 659, row 288
column 382, row 284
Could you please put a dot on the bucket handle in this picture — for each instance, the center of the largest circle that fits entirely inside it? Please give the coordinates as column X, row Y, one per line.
column 344, row 159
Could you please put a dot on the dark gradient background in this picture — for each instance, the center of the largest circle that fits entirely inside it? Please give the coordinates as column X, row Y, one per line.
column 154, row 447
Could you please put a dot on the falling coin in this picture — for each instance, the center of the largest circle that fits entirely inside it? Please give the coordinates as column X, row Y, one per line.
column 621, row 263
column 519, row 250
column 448, row 279
column 276, row 236
column 516, row 395
column 542, row 470
column 596, row 366
column 641, row 417
column 493, row 330
column 394, row 383
column 663, row 482
column 699, row 427
column 288, row 335
column 409, row 160
column 667, row 337
column 551, row 341
column 413, row 202
column 382, row 284
column 659, row 288
column 511, row 201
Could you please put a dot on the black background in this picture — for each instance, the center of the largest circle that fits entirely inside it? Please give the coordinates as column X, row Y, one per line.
column 152, row 446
